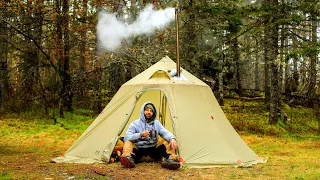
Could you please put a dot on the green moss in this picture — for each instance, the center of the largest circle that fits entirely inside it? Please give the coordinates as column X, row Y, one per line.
column 5, row 175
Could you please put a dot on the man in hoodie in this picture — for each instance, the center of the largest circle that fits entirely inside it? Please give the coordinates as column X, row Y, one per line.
column 142, row 139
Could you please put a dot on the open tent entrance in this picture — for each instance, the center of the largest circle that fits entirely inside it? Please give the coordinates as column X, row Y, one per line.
column 159, row 99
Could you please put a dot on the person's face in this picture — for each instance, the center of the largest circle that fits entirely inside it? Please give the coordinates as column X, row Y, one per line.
column 148, row 113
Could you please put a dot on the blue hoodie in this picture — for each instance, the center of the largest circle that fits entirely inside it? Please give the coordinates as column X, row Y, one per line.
column 139, row 125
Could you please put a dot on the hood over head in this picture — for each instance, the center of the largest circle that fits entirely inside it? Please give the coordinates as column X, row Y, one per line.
column 146, row 105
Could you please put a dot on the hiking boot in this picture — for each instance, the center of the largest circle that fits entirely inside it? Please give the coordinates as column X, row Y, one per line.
column 170, row 164
column 127, row 161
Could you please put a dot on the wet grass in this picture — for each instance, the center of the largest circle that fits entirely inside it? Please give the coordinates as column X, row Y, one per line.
column 28, row 142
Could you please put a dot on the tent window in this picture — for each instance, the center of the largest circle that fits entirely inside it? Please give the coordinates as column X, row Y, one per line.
column 160, row 74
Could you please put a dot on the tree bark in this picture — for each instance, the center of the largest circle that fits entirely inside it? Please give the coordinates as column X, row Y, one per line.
column 281, row 66
column 313, row 59
column 59, row 53
column 221, row 67
column 236, row 59
column 286, row 71
column 83, row 46
column 66, row 93
column 282, row 51
column 4, row 86
column 295, row 76
column 266, row 70
column 97, row 89
column 256, row 66
column 271, row 53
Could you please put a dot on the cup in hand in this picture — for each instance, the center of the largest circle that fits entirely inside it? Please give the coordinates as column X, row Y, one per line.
column 153, row 133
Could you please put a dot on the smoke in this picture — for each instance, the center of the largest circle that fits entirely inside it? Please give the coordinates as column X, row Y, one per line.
column 111, row 31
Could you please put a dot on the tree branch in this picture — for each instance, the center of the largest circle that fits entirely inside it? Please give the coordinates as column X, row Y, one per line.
column 34, row 42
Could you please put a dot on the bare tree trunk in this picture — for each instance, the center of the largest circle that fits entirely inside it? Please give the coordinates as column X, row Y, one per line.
column 295, row 84
column 256, row 67
column 221, row 67
column 304, row 66
column 1, row 87
column 271, row 53
column 313, row 60
column 286, row 71
column 236, row 59
column 83, row 45
column 282, row 51
column 66, row 93
column 59, row 53
column 318, row 118
column 3, row 60
column 274, row 90
column 282, row 48
column 266, row 70
column 4, row 86
column 97, row 89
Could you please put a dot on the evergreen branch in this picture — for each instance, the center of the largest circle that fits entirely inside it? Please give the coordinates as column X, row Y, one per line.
column 300, row 37
column 34, row 42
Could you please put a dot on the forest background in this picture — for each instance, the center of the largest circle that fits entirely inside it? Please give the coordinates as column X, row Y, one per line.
column 50, row 56
column 260, row 57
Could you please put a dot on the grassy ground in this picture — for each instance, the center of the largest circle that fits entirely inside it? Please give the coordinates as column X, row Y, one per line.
column 28, row 144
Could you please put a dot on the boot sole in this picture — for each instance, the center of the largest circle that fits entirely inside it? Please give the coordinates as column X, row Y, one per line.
column 126, row 162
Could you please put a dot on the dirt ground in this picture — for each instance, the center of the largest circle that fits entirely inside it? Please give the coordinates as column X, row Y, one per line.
column 294, row 160
column 23, row 162
column 28, row 156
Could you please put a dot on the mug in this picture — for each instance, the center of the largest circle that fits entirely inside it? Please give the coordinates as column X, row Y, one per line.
column 153, row 133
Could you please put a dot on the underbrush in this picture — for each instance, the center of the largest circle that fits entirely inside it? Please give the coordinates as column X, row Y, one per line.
column 247, row 117
column 252, row 117
column 35, row 124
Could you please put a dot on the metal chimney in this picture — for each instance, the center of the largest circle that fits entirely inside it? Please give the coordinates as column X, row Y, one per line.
column 177, row 41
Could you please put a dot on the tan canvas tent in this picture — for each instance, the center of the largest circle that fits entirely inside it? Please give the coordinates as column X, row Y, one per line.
column 186, row 106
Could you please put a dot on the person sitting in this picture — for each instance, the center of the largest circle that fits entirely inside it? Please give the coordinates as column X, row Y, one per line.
column 147, row 137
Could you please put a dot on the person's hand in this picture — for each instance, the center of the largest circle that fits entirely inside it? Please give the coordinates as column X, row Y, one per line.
column 173, row 144
column 145, row 133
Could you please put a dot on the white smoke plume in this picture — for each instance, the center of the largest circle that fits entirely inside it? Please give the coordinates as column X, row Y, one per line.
column 111, row 31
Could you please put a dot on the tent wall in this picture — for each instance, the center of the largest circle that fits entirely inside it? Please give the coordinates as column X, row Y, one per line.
column 103, row 130
column 213, row 142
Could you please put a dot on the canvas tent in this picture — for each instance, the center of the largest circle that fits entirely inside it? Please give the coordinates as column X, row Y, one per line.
column 186, row 106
